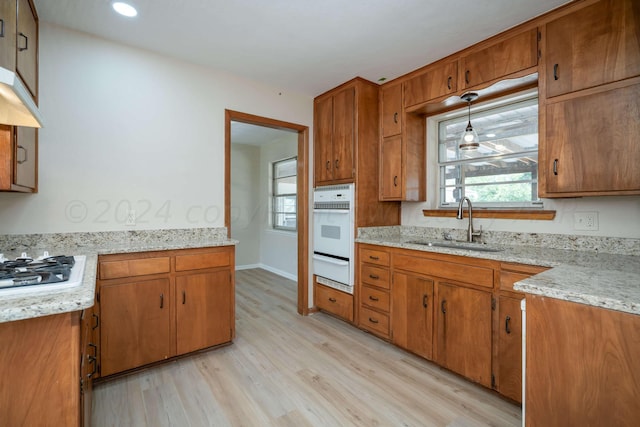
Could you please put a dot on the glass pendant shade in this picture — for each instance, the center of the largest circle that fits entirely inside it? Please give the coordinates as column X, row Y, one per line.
column 469, row 139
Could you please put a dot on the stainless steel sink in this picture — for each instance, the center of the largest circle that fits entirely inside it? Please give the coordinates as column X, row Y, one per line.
column 457, row 245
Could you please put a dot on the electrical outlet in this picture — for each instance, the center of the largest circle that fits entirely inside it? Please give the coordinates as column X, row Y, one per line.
column 586, row 221
column 131, row 218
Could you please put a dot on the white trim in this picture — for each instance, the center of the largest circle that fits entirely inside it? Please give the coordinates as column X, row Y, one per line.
column 270, row 269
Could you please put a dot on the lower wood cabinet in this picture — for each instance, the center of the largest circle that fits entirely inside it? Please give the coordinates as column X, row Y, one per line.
column 509, row 367
column 157, row 305
column 374, row 283
column 40, row 361
column 463, row 331
column 333, row 301
column 412, row 310
column 590, row 378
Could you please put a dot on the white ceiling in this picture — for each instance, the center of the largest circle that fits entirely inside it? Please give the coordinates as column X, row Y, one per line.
column 306, row 46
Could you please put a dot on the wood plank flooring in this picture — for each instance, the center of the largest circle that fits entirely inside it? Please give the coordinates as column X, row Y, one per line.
column 287, row 370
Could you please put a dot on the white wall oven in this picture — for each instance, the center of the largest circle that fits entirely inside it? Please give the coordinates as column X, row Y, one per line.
column 333, row 236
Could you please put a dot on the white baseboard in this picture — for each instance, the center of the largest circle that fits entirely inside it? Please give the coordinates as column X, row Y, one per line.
column 270, row 269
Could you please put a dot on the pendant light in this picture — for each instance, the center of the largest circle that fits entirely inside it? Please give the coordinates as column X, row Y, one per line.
column 469, row 140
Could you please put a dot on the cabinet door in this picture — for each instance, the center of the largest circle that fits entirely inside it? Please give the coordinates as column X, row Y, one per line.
column 8, row 35
column 343, row 133
column 204, row 310
column 510, row 348
column 135, row 324
column 412, row 313
column 464, row 331
column 27, row 37
column 591, row 143
column 26, row 157
column 391, row 181
column 435, row 82
column 323, row 140
column 391, row 110
column 595, row 45
column 501, row 59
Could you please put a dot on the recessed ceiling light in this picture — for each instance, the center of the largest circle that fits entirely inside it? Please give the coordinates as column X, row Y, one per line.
column 491, row 135
column 125, row 9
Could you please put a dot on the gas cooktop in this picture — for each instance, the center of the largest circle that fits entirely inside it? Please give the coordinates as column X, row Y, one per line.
column 26, row 272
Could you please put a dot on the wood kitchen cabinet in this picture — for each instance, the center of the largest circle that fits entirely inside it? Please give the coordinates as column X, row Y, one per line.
column 503, row 58
column 88, row 363
column 333, row 301
column 40, row 371
column 594, row 45
column 18, row 159
column 8, row 39
column 335, row 137
column 434, row 82
column 27, row 45
column 412, row 313
column 374, row 282
column 463, row 331
column 507, row 365
column 589, row 114
column 391, row 111
column 157, row 305
column 590, row 378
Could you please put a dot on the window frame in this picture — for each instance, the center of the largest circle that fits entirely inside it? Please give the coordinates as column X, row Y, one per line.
column 433, row 133
column 275, row 195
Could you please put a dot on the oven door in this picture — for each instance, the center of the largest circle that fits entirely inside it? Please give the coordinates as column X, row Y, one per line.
column 332, row 232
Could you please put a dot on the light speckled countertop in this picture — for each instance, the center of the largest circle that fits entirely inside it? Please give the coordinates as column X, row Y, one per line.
column 42, row 303
column 599, row 279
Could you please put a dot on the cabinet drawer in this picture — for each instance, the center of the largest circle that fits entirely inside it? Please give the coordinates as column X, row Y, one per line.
column 134, row 267
column 375, row 298
column 373, row 256
column 480, row 276
column 205, row 260
column 509, row 277
column 374, row 321
column 374, row 276
column 334, row 301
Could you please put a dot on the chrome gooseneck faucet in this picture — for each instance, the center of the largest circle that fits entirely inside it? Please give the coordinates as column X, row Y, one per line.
column 471, row 233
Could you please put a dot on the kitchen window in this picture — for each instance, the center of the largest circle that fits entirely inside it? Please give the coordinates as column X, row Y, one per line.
column 503, row 171
column 285, row 199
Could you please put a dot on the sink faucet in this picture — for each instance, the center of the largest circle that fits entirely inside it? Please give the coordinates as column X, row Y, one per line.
column 471, row 233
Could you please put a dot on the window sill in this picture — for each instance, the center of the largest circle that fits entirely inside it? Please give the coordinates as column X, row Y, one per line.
column 531, row 214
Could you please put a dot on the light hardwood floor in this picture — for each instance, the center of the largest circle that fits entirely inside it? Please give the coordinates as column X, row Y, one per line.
column 287, row 370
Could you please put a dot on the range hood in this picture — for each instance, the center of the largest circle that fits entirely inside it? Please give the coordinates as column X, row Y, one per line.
column 16, row 105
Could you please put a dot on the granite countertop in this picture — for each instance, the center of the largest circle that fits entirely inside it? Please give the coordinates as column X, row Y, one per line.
column 43, row 303
column 599, row 279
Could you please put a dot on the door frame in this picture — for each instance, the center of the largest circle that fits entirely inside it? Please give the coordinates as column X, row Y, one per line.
column 302, row 189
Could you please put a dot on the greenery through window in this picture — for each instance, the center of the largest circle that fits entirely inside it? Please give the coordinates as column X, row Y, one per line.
column 285, row 199
column 503, row 171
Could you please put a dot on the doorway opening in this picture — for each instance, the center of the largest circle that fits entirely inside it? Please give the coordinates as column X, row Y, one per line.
column 238, row 119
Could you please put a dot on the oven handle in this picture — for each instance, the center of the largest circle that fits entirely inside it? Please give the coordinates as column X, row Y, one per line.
column 336, row 211
column 330, row 260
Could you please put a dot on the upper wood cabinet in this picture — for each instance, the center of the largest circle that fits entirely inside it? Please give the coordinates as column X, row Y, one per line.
column 391, row 110
column 18, row 159
column 594, row 45
column 590, row 144
column 27, row 45
column 335, row 129
column 435, row 82
column 508, row 56
column 391, row 179
column 8, row 34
